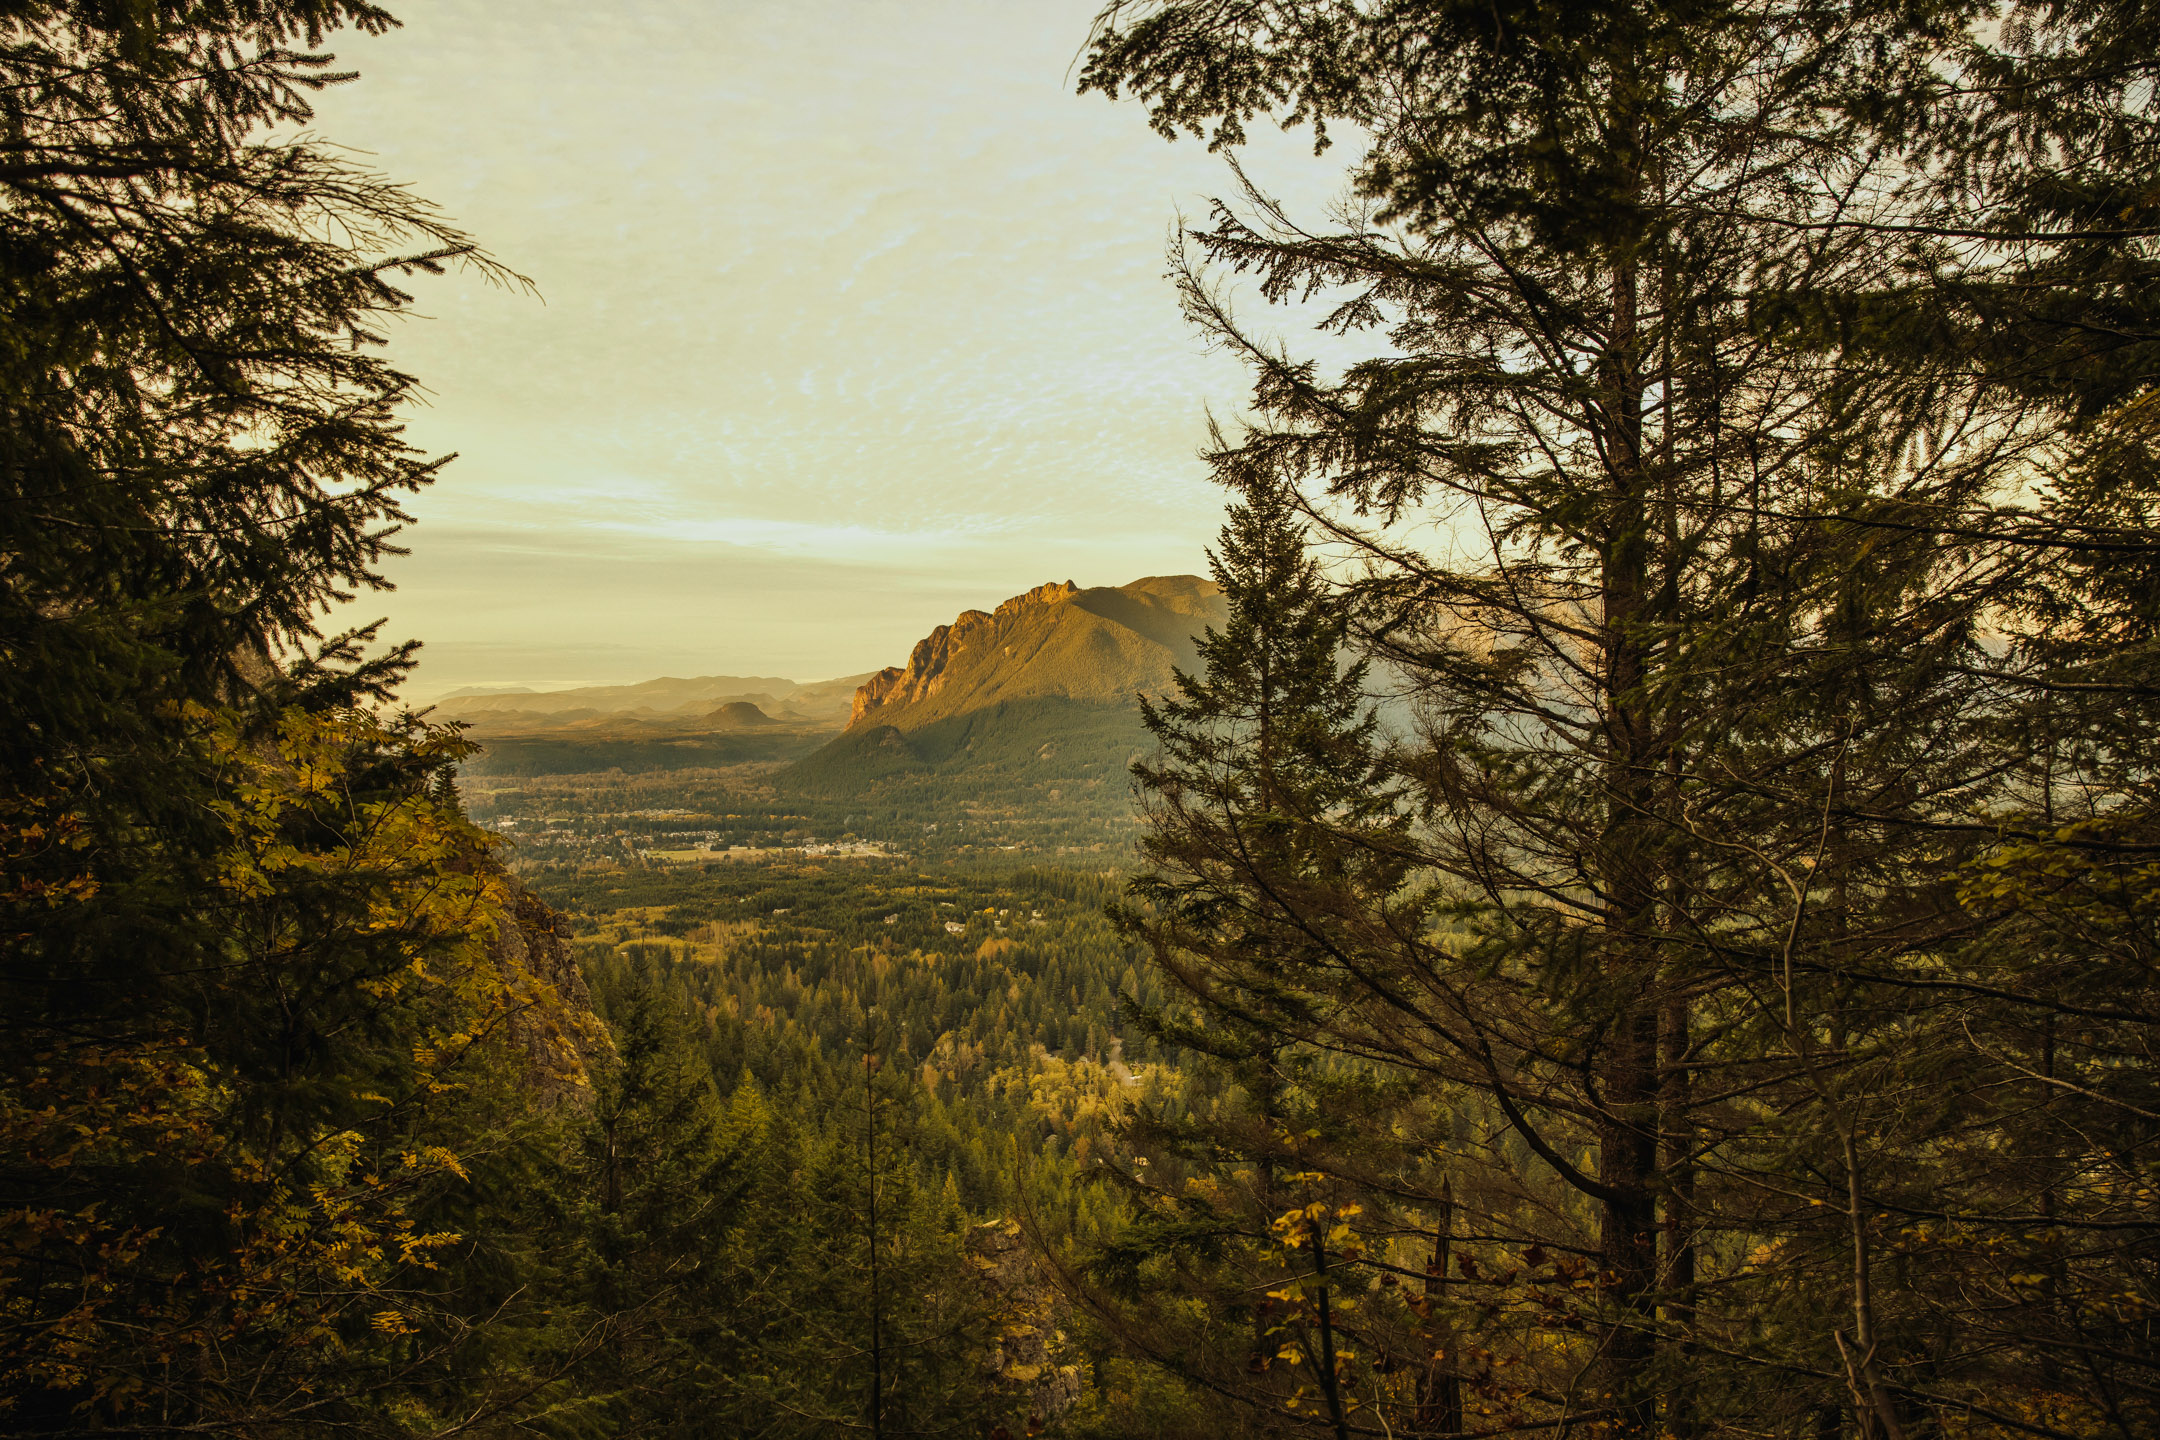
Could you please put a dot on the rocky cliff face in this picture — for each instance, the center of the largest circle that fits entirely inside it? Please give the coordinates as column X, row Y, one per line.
column 1031, row 1357
column 554, row 1022
column 1101, row 645
column 934, row 656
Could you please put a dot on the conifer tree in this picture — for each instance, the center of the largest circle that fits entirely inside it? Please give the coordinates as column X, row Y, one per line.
column 1268, row 759
column 223, row 885
column 664, row 1172
column 1268, row 789
column 202, row 449
column 1685, row 499
column 869, row 1316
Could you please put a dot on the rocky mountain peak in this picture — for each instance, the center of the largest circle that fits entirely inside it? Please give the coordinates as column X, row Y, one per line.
column 973, row 632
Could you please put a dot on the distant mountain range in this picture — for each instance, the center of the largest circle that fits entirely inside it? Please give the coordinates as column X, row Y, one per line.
column 1027, row 706
column 668, row 701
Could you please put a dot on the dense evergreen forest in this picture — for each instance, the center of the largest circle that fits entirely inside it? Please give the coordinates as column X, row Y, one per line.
column 1010, row 1021
column 1720, row 1000
column 955, row 1040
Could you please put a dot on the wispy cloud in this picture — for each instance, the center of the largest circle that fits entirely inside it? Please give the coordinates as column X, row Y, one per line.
column 839, row 284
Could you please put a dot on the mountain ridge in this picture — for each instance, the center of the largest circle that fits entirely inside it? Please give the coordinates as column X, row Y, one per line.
column 1026, row 710
column 1029, row 709
column 666, row 699
column 1103, row 645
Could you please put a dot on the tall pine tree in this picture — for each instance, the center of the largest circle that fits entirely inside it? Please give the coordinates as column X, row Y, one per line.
column 258, row 996
column 1687, row 485
column 1268, row 791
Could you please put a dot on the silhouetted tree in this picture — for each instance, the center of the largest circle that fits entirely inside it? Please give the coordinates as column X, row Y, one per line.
column 1684, row 493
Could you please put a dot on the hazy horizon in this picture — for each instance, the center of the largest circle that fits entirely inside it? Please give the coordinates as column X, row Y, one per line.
column 851, row 317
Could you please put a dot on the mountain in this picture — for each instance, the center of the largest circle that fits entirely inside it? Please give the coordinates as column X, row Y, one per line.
column 1013, row 724
column 1022, row 716
column 669, row 724
column 669, row 701
column 1102, row 646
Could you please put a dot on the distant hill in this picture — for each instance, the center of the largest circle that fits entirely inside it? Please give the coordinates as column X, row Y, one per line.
column 739, row 715
column 665, row 724
column 669, row 700
column 571, row 752
column 1027, row 710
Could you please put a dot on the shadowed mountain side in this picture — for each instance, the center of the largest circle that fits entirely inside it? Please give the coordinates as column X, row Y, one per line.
column 1170, row 610
column 1043, row 757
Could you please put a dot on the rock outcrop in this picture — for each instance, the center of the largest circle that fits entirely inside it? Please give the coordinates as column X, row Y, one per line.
column 1103, row 645
column 554, row 1022
column 925, row 673
column 1031, row 1359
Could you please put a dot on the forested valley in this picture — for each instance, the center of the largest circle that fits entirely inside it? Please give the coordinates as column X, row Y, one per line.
column 1643, row 921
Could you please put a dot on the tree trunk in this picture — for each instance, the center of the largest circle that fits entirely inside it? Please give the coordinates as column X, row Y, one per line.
column 1439, row 1408
column 1677, row 1137
column 1330, row 1383
column 1627, row 1073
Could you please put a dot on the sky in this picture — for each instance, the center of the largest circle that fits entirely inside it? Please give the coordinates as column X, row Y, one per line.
column 850, row 315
